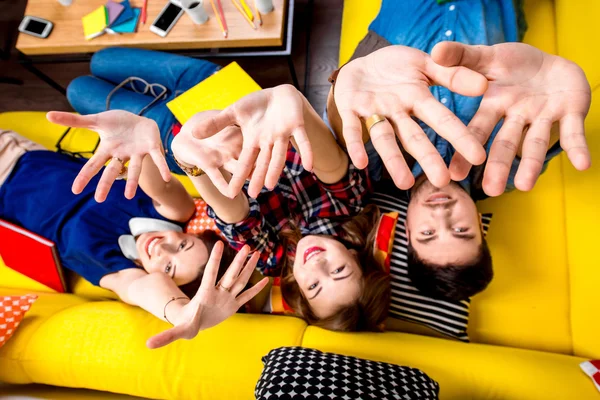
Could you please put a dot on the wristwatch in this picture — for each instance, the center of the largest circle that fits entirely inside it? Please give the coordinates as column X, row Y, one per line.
column 191, row 171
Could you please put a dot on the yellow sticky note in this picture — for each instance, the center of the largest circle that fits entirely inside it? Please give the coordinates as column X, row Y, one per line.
column 214, row 93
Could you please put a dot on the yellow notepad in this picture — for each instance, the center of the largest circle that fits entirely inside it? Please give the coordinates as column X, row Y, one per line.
column 94, row 23
column 214, row 93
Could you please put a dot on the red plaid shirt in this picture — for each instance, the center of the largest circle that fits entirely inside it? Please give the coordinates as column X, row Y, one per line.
column 299, row 197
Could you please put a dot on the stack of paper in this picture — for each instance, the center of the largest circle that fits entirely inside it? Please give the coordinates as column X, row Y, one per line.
column 112, row 18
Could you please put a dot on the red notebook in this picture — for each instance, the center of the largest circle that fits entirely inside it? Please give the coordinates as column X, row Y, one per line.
column 31, row 255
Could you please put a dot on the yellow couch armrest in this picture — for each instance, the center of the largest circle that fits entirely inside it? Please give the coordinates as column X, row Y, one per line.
column 577, row 35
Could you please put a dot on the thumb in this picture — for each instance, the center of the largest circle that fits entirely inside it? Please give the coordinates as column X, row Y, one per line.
column 460, row 80
column 452, row 54
column 72, row 120
column 209, row 123
column 166, row 337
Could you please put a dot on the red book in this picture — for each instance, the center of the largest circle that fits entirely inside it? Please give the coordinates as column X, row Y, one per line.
column 31, row 255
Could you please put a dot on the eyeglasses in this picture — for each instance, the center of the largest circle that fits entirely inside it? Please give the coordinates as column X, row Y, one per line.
column 76, row 154
column 140, row 86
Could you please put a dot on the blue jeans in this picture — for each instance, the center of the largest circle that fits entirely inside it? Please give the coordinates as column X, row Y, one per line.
column 110, row 67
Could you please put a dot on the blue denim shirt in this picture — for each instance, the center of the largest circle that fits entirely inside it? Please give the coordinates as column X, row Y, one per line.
column 423, row 23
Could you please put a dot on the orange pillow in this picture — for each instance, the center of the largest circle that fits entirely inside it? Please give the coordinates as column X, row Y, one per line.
column 12, row 310
column 201, row 221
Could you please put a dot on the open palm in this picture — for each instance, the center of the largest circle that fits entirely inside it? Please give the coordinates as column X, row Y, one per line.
column 214, row 303
column 123, row 136
column 531, row 90
column 394, row 82
column 268, row 120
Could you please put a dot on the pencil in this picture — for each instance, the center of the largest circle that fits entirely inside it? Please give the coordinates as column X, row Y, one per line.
column 212, row 3
column 220, row 6
column 258, row 16
column 144, row 12
column 247, row 10
column 241, row 10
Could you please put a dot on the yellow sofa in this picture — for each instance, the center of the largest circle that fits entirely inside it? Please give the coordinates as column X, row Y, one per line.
column 538, row 320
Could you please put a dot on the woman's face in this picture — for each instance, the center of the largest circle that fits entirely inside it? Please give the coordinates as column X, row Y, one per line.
column 180, row 255
column 328, row 274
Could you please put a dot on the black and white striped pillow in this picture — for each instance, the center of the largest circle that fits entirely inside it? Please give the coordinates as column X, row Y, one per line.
column 408, row 303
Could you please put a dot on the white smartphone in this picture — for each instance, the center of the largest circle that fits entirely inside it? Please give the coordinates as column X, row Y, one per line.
column 166, row 19
column 35, row 26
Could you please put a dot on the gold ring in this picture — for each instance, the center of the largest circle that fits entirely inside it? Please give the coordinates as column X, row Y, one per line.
column 373, row 120
column 224, row 288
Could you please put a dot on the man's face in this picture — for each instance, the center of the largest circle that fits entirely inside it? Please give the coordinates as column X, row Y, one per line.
column 443, row 225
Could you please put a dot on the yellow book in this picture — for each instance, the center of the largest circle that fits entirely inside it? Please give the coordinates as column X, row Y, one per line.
column 94, row 23
column 214, row 93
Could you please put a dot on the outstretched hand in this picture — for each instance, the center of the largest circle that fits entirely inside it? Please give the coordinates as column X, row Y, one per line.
column 123, row 137
column 268, row 120
column 529, row 89
column 394, row 82
column 214, row 303
column 219, row 151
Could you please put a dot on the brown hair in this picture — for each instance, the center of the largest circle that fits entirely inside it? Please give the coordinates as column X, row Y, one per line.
column 451, row 281
column 371, row 309
column 209, row 238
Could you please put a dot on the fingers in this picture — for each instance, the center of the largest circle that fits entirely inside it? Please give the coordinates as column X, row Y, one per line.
column 278, row 157
column 209, row 279
column 89, row 170
column 133, row 175
column 246, row 273
column 244, row 167
column 110, row 174
column 304, row 147
column 253, row 291
column 481, row 126
column 210, row 126
column 260, row 171
column 218, row 180
column 72, row 120
column 451, row 54
column 233, row 271
column 458, row 79
column 352, row 132
column 166, row 337
column 503, row 152
column 447, row 125
column 160, row 162
column 573, row 142
column 416, row 143
column 384, row 140
column 535, row 147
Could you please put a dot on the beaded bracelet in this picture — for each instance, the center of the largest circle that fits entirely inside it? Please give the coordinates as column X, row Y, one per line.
column 169, row 302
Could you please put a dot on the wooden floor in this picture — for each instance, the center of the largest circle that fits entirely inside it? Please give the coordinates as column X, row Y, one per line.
column 322, row 34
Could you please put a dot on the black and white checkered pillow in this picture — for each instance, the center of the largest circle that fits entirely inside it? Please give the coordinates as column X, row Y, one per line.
column 308, row 374
column 407, row 302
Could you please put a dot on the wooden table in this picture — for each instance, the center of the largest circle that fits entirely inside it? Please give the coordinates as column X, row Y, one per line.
column 66, row 43
column 67, row 36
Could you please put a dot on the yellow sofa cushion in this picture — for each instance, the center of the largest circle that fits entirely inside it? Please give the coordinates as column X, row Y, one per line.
column 466, row 371
column 13, row 352
column 101, row 345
